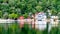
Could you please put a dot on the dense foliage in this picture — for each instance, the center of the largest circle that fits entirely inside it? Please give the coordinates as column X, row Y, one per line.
column 21, row 7
column 15, row 8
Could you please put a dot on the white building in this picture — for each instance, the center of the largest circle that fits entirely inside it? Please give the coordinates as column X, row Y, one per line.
column 40, row 21
column 53, row 22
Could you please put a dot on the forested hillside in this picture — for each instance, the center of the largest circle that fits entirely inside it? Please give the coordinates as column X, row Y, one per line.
column 21, row 7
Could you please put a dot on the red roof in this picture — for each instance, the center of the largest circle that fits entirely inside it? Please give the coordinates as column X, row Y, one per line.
column 21, row 17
